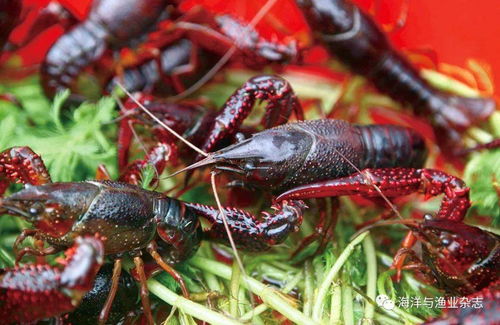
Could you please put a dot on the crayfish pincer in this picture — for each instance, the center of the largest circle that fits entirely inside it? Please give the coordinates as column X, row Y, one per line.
column 129, row 219
column 463, row 259
column 33, row 292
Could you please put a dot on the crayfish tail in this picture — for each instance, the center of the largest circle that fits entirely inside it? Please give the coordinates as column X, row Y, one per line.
column 455, row 114
column 460, row 112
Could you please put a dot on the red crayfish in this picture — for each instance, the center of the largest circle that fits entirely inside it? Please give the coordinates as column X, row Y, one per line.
column 33, row 292
column 461, row 259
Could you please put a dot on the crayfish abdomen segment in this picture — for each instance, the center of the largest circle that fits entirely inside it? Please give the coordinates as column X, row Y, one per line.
column 70, row 55
column 110, row 24
column 127, row 19
column 387, row 146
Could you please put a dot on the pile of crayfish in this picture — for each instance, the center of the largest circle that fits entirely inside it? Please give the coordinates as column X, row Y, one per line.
column 91, row 250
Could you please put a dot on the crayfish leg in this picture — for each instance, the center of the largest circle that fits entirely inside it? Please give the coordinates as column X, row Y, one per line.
column 117, row 269
column 398, row 262
column 157, row 157
column 494, row 144
column 22, row 165
column 36, row 252
column 25, row 233
column 146, row 305
column 169, row 269
column 165, row 150
column 324, row 228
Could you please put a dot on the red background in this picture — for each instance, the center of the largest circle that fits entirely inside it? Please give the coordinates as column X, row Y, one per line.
column 455, row 29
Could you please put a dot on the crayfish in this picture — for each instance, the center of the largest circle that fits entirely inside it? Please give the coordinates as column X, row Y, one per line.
column 326, row 158
column 128, row 219
column 203, row 127
column 460, row 259
column 357, row 41
column 161, row 49
column 160, row 52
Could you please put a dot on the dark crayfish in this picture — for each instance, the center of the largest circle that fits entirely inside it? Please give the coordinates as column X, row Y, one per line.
column 110, row 25
column 327, row 158
column 206, row 128
column 125, row 301
column 354, row 38
column 33, row 292
column 290, row 158
column 128, row 219
column 175, row 51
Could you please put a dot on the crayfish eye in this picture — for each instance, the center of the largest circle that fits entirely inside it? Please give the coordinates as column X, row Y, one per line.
column 249, row 166
column 428, row 217
column 446, row 240
column 36, row 208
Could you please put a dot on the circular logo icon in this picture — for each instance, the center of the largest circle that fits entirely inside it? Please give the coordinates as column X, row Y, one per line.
column 384, row 302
